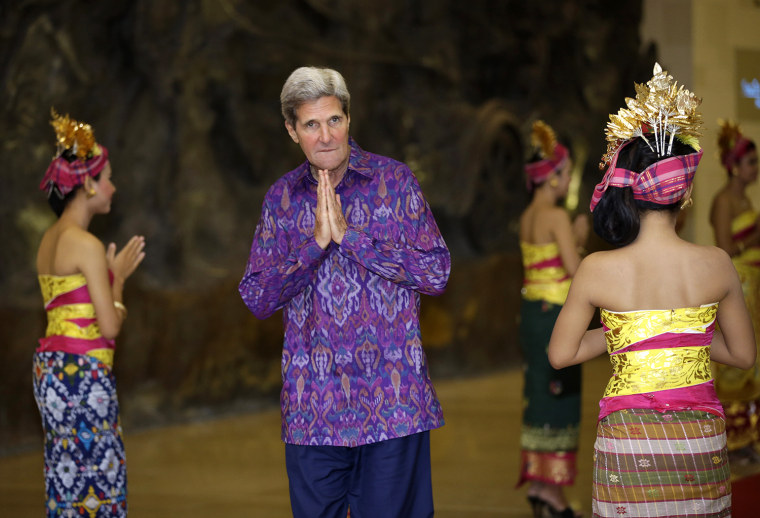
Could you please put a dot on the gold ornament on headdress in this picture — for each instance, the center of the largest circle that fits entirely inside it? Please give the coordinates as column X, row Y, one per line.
column 661, row 110
column 728, row 135
column 73, row 135
column 543, row 139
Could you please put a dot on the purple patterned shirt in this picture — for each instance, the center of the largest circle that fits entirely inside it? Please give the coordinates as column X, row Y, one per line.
column 353, row 368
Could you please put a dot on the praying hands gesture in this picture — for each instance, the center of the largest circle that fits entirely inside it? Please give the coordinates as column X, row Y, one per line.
column 330, row 225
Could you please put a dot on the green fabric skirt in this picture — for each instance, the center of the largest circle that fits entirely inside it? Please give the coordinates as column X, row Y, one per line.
column 551, row 401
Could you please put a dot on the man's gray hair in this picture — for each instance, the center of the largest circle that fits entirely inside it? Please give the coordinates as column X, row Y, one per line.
column 307, row 84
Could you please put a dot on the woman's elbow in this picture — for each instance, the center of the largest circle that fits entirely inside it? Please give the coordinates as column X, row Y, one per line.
column 748, row 361
column 557, row 360
column 110, row 332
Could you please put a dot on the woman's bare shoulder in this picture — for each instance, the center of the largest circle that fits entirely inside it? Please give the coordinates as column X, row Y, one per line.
column 716, row 255
column 78, row 241
column 600, row 264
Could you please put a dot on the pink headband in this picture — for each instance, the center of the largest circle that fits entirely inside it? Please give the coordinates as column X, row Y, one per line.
column 538, row 172
column 663, row 182
column 63, row 176
column 736, row 153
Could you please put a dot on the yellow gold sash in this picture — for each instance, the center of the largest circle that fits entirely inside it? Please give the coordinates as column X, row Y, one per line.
column 634, row 326
column 743, row 221
column 554, row 292
column 637, row 372
column 551, row 283
column 54, row 285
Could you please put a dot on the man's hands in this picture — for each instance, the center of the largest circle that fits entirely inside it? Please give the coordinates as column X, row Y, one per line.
column 330, row 225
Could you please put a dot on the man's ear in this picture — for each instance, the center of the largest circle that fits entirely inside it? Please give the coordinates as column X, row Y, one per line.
column 291, row 131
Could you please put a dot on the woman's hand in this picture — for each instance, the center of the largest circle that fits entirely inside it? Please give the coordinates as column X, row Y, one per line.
column 123, row 264
column 581, row 229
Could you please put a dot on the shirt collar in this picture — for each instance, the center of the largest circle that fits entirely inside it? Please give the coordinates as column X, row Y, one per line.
column 358, row 161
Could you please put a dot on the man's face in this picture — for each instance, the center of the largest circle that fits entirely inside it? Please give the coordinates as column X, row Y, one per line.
column 321, row 129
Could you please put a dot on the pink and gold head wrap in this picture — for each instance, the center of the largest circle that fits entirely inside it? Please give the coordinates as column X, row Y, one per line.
column 62, row 175
column 732, row 144
column 553, row 154
column 664, row 182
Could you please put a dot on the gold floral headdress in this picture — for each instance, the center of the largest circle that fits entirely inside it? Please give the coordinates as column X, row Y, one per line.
column 73, row 135
column 553, row 154
column 661, row 110
column 728, row 135
column 65, row 173
column 543, row 138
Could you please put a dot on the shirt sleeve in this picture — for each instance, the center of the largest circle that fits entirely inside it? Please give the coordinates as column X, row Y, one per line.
column 277, row 269
column 419, row 259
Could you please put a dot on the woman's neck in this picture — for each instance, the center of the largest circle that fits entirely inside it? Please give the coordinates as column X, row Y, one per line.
column 737, row 187
column 76, row 213
column 545, row 195
column 657, row 225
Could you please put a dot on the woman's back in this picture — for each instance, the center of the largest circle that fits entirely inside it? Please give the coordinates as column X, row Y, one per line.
column 59, row 249
column 659, row 271
column 538, row 223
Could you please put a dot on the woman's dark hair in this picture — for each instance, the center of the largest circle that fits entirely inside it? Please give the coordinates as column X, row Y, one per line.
column 617, row 215
column 59, row 204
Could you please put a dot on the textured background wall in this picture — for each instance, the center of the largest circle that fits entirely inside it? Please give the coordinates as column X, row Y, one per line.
column 185, row 95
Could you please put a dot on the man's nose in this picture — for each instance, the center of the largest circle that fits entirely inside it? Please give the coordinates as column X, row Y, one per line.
column 324, row 133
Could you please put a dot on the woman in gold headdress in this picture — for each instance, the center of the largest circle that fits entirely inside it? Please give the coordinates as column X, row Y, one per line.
column 82, row 285
column 549, row 244
column 736, row 229
column 660, row 447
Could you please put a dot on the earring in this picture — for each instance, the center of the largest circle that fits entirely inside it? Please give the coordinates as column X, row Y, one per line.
column 91, row 192
column 553, row 182
column 687, row 203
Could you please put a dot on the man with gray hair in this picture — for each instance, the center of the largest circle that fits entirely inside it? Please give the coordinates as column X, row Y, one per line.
column 345, row 245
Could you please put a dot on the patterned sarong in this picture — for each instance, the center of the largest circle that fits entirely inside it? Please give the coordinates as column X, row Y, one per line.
column 651, row 463
column 552, row 411
column 85, row 467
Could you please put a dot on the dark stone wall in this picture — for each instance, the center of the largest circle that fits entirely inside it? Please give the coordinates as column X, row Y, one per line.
column 185, row 96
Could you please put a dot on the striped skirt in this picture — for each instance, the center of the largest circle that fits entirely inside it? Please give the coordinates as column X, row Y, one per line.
column 649, row 463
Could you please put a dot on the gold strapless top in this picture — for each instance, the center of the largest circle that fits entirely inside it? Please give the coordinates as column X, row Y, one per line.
column 76, row 317
column 545, row 277
column 658, row 368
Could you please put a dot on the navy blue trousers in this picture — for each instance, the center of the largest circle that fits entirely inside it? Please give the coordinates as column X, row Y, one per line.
column 388, row 479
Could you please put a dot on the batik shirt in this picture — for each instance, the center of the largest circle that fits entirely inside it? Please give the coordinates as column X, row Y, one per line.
column 353, row 368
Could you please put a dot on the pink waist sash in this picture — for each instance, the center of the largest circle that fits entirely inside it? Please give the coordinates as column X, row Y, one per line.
column 72, row 345
column 698, row 397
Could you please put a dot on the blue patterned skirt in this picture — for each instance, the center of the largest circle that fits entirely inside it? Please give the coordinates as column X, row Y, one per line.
column 85, row 466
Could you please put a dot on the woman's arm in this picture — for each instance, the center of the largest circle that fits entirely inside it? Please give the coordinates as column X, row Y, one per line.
column 564, row 235
column 571, row 343
column 734, row 345
column 720, row 219
column 92, row 260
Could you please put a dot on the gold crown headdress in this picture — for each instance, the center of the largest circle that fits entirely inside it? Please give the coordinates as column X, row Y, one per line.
column 73, row 135
column 543, row 139
column 661, row 110
column 728, row 134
